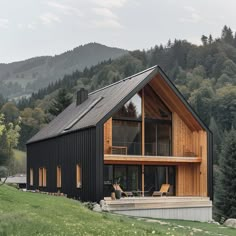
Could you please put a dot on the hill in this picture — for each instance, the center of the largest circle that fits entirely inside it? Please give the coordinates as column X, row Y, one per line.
column 24, row 77
column 24, row 213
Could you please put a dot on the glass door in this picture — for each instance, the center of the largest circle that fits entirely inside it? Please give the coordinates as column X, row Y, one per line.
column 128, row 176
column 155, row 176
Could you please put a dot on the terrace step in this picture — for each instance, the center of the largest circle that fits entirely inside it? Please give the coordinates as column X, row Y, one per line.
column 156, row 203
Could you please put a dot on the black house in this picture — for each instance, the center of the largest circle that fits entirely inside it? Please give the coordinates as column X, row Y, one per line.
column 139, row 131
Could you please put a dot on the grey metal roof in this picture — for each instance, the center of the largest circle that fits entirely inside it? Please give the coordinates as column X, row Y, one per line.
column 109, row 97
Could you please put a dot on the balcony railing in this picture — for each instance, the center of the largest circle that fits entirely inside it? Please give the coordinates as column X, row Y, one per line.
column 134, row 148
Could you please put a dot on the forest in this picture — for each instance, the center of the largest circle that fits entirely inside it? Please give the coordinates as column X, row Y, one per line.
column 205, row 74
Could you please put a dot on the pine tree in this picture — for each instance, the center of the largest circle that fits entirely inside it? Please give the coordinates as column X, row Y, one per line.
column 204, row 40
column 227, row 35
column 225, row 191
column 217, row 139
column 61, row 101
column 210, row 39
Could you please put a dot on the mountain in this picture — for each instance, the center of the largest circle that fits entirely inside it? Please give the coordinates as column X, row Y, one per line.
column 24, row 77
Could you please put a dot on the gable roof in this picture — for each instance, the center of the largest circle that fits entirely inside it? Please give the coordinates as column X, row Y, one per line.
column 109, row 97
column 101, row 104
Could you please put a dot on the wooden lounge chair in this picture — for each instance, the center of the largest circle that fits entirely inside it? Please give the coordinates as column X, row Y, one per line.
column 164, row 189
column 124, row 193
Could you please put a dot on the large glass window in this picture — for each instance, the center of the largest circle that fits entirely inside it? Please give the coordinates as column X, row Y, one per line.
column 126, row 128
column 127, row 176
column 157, row 125
column 155, row 176
column 126, row 137
column 132, row 109
column 157, row 138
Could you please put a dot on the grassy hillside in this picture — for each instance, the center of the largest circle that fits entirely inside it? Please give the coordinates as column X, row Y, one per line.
column 24, row 77
column 23, row 213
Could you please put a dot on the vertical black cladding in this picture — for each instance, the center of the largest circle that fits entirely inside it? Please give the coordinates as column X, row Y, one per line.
column 82, row 95
column 79, row 147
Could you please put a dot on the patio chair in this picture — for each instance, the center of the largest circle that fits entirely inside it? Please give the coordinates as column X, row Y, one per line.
column 164, row 189
column 124, row 193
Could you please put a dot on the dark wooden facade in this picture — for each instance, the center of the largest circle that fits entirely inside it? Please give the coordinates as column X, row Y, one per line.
column 80, row 147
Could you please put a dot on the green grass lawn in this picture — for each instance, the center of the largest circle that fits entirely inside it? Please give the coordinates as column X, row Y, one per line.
column 25, row 213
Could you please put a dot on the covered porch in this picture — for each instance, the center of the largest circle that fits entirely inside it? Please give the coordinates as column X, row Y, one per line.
column 142, row 175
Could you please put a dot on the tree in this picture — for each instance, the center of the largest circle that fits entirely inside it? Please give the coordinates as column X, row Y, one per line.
column 201, row 100
column 131, row 109
column 224, row 106
column 9, row 136
column 210, row 39
column 227, row 35
column 10, row 112
column 2, row 101
column 217, row 139
column 204, row 40
column 226, row 182
column 61, row 101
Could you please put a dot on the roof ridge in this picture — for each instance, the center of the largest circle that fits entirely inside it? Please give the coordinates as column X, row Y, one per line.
column 122, row 80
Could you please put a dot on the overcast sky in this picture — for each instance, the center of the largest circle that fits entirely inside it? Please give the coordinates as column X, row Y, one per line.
column 31, row 28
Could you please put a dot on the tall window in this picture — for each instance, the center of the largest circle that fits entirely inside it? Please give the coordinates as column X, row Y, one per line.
column 42, row 177
column 78, row 176
column 58, row 177
column 126, row 128
column 157, row 125
column 31, row 177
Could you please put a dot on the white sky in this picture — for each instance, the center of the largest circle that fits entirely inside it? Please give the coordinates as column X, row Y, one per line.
column 31, row 28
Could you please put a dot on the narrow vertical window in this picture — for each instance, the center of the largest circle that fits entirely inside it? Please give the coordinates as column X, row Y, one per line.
column 42, row 177
column 78, row 176
column 31, row 177
column 58, row 177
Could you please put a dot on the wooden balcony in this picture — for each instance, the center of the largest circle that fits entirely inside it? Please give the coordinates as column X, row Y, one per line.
column 149, row 160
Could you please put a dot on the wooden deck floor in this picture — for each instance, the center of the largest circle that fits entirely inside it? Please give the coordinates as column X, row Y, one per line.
column 156, row 202
column 187, row 208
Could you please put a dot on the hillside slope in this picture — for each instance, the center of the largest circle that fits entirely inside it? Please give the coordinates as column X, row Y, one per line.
column 24, row 213
column 24, row 77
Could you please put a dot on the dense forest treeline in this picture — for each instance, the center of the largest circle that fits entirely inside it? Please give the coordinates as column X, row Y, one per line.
column 205, row 74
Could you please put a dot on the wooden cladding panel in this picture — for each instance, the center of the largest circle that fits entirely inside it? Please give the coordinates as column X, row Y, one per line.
column 203, row 166
column 173, row 102
column 187, row 180
column 108, row 136
column 190, row 179
column 182, row 136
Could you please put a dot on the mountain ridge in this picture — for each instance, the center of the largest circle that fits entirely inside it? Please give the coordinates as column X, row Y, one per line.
column 27, row 76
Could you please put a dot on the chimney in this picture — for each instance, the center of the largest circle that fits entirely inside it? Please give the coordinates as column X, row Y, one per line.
column 82, row 95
